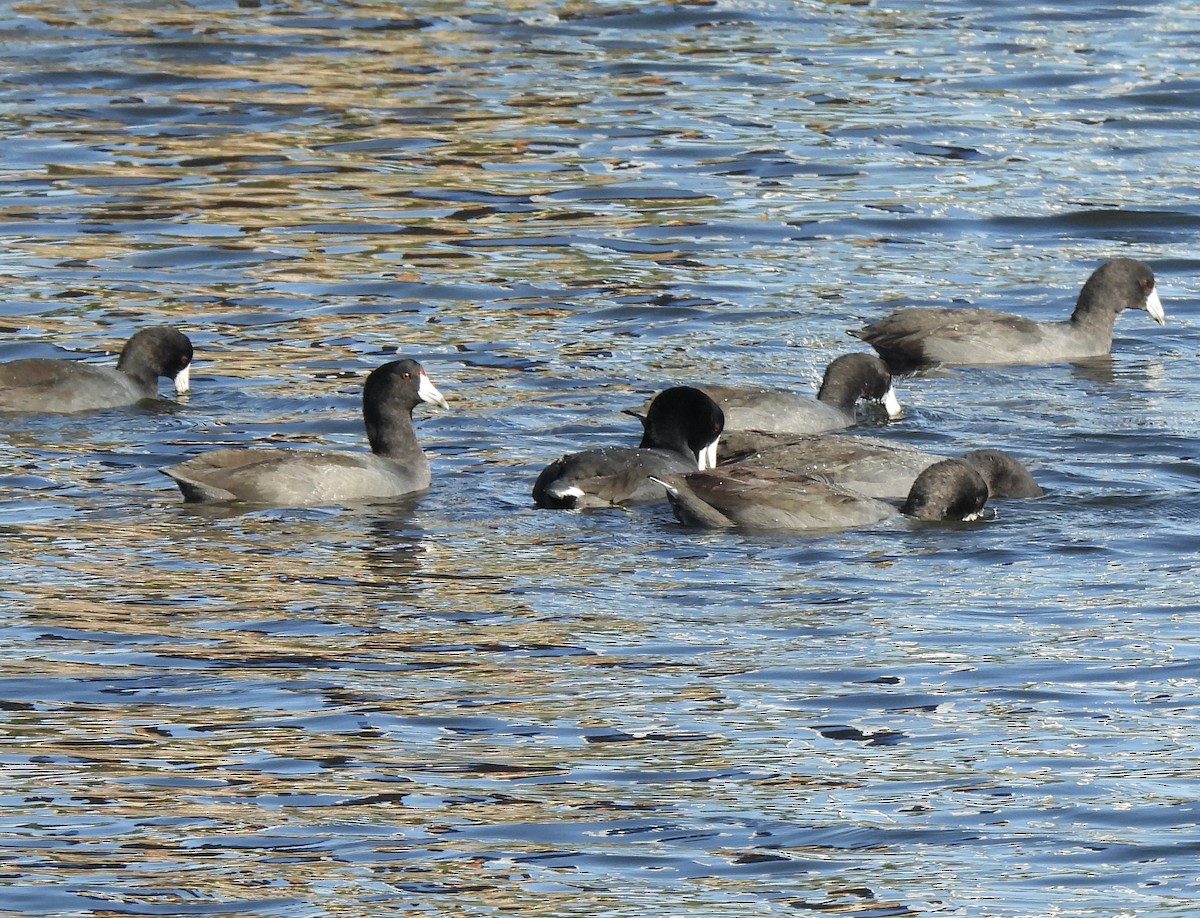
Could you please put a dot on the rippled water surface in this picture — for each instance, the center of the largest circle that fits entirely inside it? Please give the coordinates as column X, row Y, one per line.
column 459, row 705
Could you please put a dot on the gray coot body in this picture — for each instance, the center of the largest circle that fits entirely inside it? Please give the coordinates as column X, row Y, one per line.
column 307, row 477
column 680, row 434
column 879, row 468
column 847, row 379
column 51, row 386
column 766, row 500
column 912, row 338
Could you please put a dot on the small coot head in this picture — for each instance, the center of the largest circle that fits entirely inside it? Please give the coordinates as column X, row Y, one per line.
column 684, row 419
column 403, row 382
column 948, row 490
column 158, row 351
column 853, row 376
column 1118, row 284
column 1004, row 473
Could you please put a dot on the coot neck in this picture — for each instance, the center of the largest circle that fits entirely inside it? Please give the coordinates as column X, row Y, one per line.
column 390, row 432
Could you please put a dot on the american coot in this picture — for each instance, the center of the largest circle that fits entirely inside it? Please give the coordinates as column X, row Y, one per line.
column 1005, row 475
column 307, row 477
column 918, row 337
column 879, row 468
column 847, row 379
column 680, row 433
column 767, row 499
column 66, row 386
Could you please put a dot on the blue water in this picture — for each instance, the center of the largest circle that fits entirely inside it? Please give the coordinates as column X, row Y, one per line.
column 459, row 705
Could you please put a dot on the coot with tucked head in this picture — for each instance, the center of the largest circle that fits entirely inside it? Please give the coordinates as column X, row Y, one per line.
column 726, row 498
column 881, row 468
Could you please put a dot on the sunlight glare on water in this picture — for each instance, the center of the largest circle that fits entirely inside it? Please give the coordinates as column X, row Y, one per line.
column 455, row 703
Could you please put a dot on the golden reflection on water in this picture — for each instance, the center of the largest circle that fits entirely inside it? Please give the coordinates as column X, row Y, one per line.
column 461, row 704
column 264, row 185
column 278, row 687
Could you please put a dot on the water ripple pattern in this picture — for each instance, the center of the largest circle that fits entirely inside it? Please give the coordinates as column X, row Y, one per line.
column 455, row 704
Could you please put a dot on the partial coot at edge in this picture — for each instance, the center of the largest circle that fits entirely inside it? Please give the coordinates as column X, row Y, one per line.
column 913, row 338
column 45, row 385
column 395, row 466
column 679, row 434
